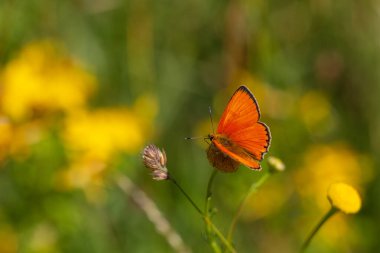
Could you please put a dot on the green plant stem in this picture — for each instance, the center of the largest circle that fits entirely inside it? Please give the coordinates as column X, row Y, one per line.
column 207, row 221
column 254, row 187
column 209, row 191
column 187, row 196
column 330, row 213
column 226, row 243
column 211, row 240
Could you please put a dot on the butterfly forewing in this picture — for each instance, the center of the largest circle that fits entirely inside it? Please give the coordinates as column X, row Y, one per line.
column 241, row 112
column 240, row 125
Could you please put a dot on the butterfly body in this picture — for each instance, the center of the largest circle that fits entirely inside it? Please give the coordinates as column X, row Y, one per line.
column 240, row 137
column 220, row 160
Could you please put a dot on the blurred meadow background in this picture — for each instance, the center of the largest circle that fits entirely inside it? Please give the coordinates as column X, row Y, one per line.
column 86, row 84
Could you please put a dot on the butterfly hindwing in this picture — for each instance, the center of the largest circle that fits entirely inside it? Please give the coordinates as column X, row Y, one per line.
column 238, row 154
column 254, row 139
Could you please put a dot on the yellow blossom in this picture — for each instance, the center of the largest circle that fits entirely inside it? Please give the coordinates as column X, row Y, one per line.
column 146, row 108
column 84, row 173
column 104, row 132
column 344, row 197
column 42, row 78
column 9, row 239
column 268, row 200
column 81, row 173
column 43, row 238
column 6, row 132
column 323, row 165
column 95, row 137
column 15, row 139
column 316, row 113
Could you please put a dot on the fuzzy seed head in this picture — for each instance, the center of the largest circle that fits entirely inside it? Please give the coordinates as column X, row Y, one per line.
column 155, row 160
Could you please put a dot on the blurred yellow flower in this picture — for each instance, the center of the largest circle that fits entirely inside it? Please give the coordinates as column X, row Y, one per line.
column 9, row 239
column 81, row 173
column 24, row 136
column 317, row 113
column 6, row 132
column 325, row 164
column 344, row 197
column 86, row 173
column 146, row 109
column 102, row 133
column 95, row 137
column 268, row 200
column 15, row 139
column 43, row 239
column 42, row 78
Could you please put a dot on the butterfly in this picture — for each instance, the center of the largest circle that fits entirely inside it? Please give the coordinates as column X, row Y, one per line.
column 240, row 137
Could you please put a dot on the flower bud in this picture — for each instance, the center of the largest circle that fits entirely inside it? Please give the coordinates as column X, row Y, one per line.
column 344, row 197
column 275, row 164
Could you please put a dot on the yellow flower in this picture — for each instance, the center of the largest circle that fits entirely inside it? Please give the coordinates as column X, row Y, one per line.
column 96, row 137
column 6, row 132
column 268, row 200
column 344, row 197
column 102, row 133
column 43, row 238
column 317, row 113
column 15, row 139
column 42, row 78
column 85, row 173
column 324, row 164
column 9, row 239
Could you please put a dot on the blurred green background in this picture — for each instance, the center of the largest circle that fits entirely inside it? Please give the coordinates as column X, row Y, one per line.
column 86, row 84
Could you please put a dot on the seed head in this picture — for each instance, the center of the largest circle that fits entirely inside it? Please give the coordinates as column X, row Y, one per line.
column 155, row 160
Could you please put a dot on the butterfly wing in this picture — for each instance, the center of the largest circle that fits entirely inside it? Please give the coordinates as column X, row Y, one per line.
column 240, row 125
column 241, row 112
column 235, row 153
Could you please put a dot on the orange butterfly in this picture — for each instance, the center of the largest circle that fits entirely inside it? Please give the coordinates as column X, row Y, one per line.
column 240, row 136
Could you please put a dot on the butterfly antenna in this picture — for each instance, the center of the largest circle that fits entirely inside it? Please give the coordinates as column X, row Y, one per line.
column 212, row 123
column 193, row 138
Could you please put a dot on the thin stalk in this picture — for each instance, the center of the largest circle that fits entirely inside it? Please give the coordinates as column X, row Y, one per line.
column 226, row 243
column 210, row 237
column 254, row 187
column 154, row 215
column 209, row 191
column 215, row 246
column 207, row 221
column 330, row 213
column 187, row 196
